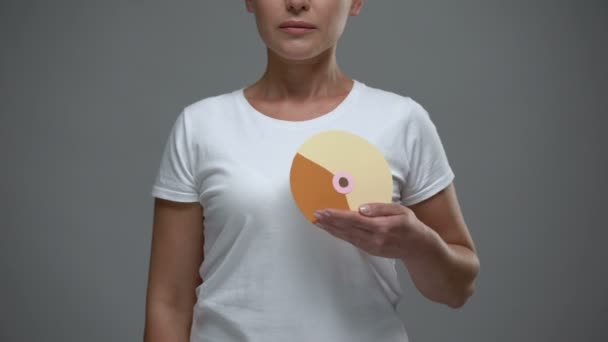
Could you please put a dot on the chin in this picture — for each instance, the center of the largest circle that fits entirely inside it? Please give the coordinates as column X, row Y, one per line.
column 297, row 57
column 298, row 53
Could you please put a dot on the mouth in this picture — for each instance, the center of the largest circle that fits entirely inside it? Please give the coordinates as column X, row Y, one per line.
column 297, row 27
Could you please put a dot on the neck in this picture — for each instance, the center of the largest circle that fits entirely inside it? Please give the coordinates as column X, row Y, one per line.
column 301, row 80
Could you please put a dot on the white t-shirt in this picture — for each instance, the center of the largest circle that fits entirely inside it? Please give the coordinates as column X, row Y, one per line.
column 268, row 273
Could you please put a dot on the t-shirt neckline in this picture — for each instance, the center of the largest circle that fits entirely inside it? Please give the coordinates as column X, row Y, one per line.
column 310, row 123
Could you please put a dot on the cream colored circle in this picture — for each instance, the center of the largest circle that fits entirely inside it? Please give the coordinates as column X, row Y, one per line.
column 341, row 151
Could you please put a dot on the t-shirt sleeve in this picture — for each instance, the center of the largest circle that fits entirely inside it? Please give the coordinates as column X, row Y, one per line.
column 176, row 179
column 429, row 170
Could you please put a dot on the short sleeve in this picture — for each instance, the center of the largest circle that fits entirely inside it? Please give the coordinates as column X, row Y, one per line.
column 429, row 170
column 175, row 179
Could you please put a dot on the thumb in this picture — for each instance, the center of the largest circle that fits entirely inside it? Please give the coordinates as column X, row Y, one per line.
column 381, row 209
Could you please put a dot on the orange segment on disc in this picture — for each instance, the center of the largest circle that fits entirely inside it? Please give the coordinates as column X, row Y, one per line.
column 311, row 185
column 352, row 168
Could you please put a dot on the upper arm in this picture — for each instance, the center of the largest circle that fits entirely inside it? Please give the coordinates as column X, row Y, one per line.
column 442, row 213
column 176, row 253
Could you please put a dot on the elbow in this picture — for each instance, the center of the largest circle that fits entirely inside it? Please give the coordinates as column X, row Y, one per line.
column 458, row 300
column 465, row 291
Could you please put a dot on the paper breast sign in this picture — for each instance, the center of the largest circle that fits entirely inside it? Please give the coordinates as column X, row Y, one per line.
column 340, row 170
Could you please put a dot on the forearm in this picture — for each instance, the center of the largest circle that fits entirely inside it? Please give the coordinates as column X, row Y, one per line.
column 442, row 272
column 167, row 323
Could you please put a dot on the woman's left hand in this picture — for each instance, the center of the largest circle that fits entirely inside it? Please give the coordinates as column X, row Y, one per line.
column 381, row 229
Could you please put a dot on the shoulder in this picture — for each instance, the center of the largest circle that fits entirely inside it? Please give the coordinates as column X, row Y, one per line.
column 211, row 104
column 402, row 106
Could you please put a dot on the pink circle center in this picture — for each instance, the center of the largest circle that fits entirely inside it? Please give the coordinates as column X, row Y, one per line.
column 343, row 182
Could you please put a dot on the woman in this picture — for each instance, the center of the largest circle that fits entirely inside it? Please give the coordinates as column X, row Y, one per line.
column 268, row 273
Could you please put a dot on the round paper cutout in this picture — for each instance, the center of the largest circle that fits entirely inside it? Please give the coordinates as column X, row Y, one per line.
column 340, row 170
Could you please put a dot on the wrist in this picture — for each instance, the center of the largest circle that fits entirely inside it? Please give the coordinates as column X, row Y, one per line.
column 422, row 243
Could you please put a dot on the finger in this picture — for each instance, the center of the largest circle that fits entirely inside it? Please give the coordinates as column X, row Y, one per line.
column 347, row 219
column 357, row 237
column 382, row 209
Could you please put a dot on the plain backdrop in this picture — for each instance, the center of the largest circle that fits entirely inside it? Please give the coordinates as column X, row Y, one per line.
column 517, row 90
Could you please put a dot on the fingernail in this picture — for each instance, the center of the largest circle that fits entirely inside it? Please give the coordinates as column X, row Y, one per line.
column 364, row 209
column 317, row 214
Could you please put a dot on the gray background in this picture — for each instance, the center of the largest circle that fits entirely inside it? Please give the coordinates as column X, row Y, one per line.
column 89, row 90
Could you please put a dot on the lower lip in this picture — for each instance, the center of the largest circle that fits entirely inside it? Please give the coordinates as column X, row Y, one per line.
column 297, row 30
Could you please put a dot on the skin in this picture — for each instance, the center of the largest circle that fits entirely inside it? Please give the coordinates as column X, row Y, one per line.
column 302, row 81
column 176, row 254
column 431, row 238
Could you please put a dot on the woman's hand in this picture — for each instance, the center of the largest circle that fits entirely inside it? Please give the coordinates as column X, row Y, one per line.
column 430, row 238
column 385, row 230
